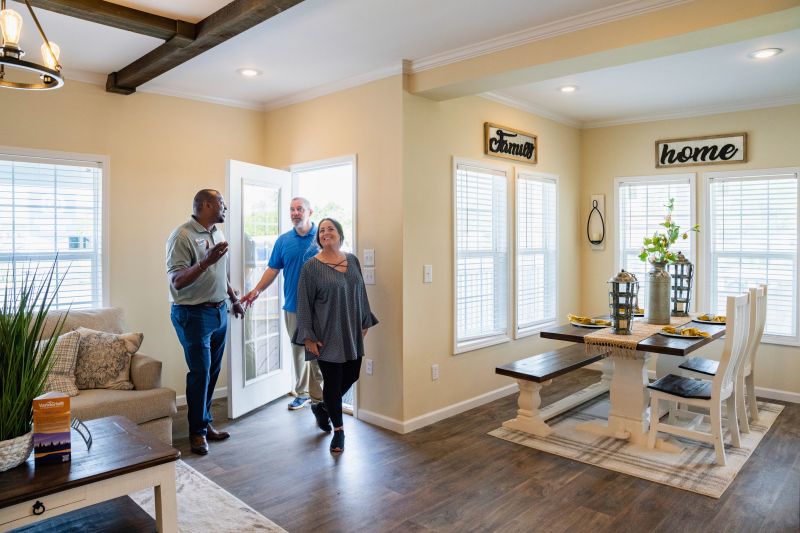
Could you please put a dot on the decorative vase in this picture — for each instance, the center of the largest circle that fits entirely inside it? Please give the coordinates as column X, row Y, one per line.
column 658, row 285
column 14, row 452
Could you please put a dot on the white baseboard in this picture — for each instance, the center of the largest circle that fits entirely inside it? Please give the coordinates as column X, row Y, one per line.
column 427, row 419
column 219, row 392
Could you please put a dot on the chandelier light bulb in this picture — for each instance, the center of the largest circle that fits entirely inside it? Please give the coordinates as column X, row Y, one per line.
column 765, row 53
column 11, row 24
column 48, row 59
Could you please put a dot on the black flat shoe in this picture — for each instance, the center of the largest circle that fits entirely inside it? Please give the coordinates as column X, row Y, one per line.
column 337, row 442
column 321, row 414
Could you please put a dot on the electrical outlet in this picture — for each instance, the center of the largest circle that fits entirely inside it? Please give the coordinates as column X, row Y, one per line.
column 434, row 372
column 369, row 367
column 427, row 274
column 369, row 257
column 369, row 275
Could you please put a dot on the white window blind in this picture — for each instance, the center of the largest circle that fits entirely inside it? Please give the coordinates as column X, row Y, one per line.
column 536, row 252
column 49, row 209
column 753, row 239
column 642, row 208
column 481, row 239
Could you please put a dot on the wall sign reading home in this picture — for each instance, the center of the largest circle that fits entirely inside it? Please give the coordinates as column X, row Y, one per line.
column 709, row 150
column 513, row 144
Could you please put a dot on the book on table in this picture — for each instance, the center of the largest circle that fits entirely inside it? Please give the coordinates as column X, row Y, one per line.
column 51, row 428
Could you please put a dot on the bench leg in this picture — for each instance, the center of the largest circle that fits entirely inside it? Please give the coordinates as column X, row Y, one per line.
column 529, row 418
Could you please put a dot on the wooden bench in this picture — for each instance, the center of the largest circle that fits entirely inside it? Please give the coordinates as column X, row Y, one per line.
column 535, row 372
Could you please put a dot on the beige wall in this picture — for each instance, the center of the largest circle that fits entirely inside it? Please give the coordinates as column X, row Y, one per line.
column 162, row 150
column 607, row 153
column 365, row 121
column 435, row 132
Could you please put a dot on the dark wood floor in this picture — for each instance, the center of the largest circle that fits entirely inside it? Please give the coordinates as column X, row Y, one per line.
column 452, row 476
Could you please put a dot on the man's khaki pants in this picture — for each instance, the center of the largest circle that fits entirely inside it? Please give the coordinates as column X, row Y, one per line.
column 307, row 375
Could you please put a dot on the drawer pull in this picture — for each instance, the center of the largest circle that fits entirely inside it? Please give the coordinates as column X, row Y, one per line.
column 38, row 508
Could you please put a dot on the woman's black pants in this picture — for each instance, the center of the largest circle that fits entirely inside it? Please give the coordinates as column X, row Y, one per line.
column 337, row 378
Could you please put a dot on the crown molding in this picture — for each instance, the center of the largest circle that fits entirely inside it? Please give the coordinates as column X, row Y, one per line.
column 85, row 76
column 230, row 102
column 329, row 88
column 696, row 112
column 528, row 108
column 629, row 8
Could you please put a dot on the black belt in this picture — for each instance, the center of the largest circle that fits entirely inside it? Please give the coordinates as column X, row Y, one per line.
column 215, row 305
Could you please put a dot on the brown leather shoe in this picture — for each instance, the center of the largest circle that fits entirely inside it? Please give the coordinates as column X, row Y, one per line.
column 213, row 434
column 199, row 444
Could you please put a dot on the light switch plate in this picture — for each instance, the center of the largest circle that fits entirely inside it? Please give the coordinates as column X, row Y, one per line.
column 369, row 276
column 427, row 274
column 369, row 257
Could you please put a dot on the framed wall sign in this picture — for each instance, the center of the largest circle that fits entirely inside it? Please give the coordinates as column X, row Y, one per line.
column 509, row 143
column 708, row 150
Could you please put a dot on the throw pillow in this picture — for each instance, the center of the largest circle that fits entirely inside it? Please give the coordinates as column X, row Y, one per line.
column 104, row 359
column 65, row 354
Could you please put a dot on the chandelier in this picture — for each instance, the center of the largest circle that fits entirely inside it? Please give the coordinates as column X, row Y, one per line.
column 11, row 61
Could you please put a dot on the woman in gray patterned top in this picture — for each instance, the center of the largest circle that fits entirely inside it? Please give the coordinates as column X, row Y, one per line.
column 333, row 317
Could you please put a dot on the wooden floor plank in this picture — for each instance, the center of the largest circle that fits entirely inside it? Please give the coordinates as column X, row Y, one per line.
column 452, row 476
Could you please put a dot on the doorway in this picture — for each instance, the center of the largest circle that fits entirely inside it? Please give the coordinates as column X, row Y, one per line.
column 330, row 186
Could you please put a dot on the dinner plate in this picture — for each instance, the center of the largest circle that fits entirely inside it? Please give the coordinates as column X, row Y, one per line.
column 708, row 322
column 678, row 335
column 589, row 325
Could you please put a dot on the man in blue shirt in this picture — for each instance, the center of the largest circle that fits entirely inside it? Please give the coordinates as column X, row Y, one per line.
column 291, row 251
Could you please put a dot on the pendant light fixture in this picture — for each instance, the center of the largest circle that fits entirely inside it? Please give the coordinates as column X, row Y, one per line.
column 11, row 63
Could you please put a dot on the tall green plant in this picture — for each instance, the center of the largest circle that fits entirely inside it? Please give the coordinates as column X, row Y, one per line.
column 24, row 360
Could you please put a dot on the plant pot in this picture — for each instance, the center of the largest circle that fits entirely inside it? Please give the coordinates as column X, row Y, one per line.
column 658, row 303
column 14, row 452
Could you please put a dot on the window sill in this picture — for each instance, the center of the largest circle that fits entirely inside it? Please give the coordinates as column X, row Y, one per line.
column 780, row 341
column 533, row 330
column 480, row 343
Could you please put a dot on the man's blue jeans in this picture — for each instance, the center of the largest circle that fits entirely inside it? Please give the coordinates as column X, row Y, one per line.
column 201, row 331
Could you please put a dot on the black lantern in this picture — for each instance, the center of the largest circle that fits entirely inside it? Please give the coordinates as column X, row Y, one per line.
column 623, row 296
column 681, row 271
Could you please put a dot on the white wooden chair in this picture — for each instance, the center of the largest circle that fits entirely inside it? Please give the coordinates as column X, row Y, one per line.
column 707, row 394
column 745, row 377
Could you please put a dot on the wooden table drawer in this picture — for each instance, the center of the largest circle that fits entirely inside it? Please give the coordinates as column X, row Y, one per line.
column 51, row 502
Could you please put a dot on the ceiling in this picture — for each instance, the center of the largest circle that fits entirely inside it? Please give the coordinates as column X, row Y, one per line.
column 320, row 46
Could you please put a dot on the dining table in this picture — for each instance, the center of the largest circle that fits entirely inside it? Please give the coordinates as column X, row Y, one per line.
column 627, row 377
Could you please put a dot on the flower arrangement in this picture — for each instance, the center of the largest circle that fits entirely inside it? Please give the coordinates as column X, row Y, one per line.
column 655, row 249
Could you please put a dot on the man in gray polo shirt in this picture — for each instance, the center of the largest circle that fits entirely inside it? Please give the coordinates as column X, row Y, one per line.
column 198, row 286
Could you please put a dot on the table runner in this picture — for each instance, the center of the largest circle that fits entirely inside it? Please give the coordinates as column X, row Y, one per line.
column 606, row 341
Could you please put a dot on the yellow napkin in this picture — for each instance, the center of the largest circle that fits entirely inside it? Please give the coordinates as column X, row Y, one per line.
column 589, row 321
column 712, row 318
column 688, row 332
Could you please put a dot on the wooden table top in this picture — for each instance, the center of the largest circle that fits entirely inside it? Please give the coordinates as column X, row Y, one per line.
column 655, row 343
column 118, row 447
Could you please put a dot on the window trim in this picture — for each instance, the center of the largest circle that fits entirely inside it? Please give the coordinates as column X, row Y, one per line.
column 706, row 291
column 482, row 342
column 659, row 178
column 520, row 333
column 34, row 155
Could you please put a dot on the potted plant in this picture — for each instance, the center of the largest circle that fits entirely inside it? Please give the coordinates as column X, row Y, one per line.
column 25, row 360
column 656, row 251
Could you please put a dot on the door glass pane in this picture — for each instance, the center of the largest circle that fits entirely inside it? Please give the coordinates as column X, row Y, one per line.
column 262, row 341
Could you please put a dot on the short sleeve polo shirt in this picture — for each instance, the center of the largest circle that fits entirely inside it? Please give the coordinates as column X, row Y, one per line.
column 185, row 247
column 291, row 251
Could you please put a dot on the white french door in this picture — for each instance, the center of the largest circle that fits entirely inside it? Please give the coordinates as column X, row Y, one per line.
column 259, row 354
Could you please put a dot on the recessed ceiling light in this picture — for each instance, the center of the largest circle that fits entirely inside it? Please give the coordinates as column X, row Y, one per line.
column 764, row 53
column 568, row 88
column 249, row 72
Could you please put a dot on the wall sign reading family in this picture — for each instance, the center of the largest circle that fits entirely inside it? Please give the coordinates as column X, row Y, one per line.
column 710, row 150
column 513, row 144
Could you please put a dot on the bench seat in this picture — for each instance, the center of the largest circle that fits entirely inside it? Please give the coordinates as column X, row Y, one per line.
column 534, row 372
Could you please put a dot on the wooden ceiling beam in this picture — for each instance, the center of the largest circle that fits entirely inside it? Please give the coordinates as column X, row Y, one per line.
column 229, row 21
column 117, row 16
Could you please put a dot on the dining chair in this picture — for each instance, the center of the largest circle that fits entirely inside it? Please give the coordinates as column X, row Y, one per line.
column 745, row 377
column 704, row 393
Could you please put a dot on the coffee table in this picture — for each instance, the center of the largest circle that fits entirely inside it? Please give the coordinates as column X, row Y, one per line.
column 123, row 459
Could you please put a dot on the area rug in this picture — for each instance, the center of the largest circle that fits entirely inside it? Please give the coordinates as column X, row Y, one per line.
column 693, row 469
column 205, row 506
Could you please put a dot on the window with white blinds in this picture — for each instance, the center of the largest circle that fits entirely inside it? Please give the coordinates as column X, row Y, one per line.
column 52, row 209
column 536, row 252
column 482, row 262
column 753, row 239
column 642, row 208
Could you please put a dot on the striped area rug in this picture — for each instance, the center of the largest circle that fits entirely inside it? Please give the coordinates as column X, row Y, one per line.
column 693, row 469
